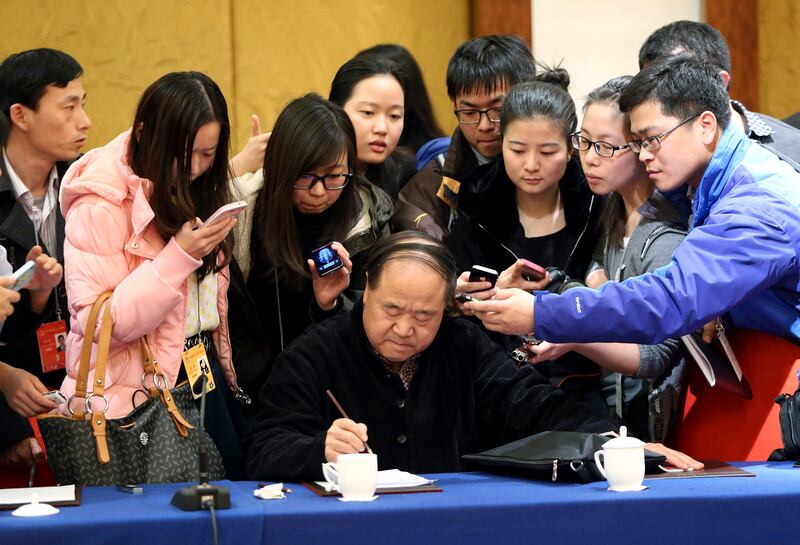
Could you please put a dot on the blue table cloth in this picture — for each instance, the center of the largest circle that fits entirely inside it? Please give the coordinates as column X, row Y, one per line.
column 473, row 508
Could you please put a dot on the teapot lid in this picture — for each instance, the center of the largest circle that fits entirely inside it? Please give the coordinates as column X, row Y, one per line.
column 623, row 441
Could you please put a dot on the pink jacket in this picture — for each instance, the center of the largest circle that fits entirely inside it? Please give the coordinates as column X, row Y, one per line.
column 111, row 244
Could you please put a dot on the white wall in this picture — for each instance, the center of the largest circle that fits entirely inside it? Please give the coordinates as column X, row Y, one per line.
column 599, row 40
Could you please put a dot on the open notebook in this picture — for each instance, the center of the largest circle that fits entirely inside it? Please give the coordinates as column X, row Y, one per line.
column 390, row 481
column 11, row 498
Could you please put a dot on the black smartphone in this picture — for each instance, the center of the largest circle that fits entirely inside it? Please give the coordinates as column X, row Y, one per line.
column 326, row 259
column 480, row 273
column 465, row 298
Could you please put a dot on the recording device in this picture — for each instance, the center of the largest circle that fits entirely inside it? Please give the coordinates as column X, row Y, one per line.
column 134, row 489
column 465, row 298
column 561, row 281
column 531, row 271
column 55, row 395
column 23, row 275
column 520, row 354
column 326, row 260
column 480, row 273
column 230, row 210
column 204, row 495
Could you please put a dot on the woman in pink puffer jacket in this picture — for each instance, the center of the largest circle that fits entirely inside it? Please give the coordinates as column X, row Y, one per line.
column 132, row 226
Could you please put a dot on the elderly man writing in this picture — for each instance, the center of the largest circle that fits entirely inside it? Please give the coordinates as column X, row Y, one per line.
column 421, row 387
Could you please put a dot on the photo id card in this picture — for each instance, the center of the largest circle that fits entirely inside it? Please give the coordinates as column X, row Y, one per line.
column 52, row 339
column 195, row 361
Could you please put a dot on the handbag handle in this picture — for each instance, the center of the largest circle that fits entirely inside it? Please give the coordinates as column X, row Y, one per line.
column 103, row 346
column 162, row 391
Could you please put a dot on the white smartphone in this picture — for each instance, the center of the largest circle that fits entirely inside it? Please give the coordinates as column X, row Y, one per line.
column 228, row 211
column 56, row 396
column 23, row 275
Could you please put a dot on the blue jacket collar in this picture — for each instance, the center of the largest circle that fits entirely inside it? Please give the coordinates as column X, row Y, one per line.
column 730, row 152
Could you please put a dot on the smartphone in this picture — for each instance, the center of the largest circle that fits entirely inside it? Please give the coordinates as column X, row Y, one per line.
column 23, row 275
column 56, row 396
column 326, row 259
column 531, row 271
column 465, row 298
column 227, row 211
column 480, row 273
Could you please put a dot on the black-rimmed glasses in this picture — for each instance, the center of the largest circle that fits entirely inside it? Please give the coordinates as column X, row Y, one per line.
column 653, row 143
column 329, row 181
column 603, row 149
column 473, row 117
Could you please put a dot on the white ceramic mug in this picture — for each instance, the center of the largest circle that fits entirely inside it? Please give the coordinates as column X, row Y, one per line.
column 623, row 463
column 354, row 475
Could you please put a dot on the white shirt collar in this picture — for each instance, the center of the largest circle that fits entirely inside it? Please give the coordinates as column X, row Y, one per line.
column 19, row 186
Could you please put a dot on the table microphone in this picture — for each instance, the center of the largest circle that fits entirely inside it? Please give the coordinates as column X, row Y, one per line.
column 204, row 495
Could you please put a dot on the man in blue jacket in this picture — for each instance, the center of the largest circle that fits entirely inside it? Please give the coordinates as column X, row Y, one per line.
column 741, row 255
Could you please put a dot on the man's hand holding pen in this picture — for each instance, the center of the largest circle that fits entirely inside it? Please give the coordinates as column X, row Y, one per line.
column 345, row 437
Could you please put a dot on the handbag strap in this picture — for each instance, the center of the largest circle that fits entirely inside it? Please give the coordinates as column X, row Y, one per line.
column 163, row 392
column 98, row 417
column 86, row 350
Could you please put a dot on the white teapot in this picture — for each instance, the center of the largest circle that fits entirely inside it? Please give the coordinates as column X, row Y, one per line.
column 623, row 462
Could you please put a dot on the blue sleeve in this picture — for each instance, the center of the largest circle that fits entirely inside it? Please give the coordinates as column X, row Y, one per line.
column 742, row 250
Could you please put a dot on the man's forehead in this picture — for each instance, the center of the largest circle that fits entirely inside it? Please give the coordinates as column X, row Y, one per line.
column 71, row 90
column 481, row 95
column 648, row 116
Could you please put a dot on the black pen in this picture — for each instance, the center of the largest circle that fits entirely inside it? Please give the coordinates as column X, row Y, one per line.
column 32, row 474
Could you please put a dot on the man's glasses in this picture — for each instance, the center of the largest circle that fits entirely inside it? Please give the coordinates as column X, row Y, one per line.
column 329, row 181
column 473, row 117
column 653, row 143
column 603, row 149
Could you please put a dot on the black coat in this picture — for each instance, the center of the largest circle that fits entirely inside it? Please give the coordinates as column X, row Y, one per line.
column 20, row 347
column 488, row 216
column 466, row 396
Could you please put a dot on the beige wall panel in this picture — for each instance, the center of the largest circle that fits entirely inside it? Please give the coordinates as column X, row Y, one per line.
column 123, row 46
column 598, row 41
column 779, row 51
column 285, row 48
column 260, row 53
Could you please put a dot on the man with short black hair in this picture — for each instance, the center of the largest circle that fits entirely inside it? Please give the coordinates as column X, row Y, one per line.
column 742, row 254
column 427, row 388
column 479, row 75
column 41, row 100
column 706, row 42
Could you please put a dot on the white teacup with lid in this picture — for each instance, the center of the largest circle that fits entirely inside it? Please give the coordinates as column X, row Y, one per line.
column 623, row 462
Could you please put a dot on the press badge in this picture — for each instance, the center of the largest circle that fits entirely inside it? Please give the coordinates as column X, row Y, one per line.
column 52, row 340
column 195, row 361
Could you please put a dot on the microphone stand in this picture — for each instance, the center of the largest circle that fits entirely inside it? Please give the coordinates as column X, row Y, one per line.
column 204, row 495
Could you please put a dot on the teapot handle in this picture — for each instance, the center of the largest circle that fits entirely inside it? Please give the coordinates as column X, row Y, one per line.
column 598, row 464
column 331, row 474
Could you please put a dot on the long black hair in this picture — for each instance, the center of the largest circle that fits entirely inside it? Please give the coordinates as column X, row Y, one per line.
column 420, row 124
column 309, row 133
column 612, row 217
column 399, row 166
column 170, row 113
column 546, row 97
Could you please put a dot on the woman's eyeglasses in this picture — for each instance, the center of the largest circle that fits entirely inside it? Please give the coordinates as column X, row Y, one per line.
column 329, row 181
column 603, row 149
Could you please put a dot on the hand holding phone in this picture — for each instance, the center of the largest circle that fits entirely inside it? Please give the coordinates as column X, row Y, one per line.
column 326, row 259
column 55, row 395
column 465, row 298
column 230, row 210
column 531, row 271
column 24, row 275
column 479, row 273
